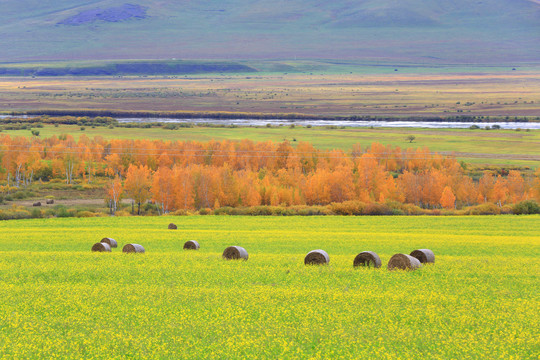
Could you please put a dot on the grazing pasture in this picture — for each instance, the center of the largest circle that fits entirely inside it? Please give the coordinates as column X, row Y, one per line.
column 479, row 299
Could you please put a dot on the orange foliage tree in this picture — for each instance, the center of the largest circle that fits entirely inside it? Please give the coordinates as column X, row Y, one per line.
column 137, row 184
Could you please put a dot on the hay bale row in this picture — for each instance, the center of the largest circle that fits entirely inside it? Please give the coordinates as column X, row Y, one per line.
column 371, row 259
column 172, row 226
column 37, row 203
column 107, row 243
column 315, row 257
column 50, row 201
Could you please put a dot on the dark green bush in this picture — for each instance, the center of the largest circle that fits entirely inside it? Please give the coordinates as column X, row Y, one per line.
column 36, row 214
column 526, row 207
column 44, row 173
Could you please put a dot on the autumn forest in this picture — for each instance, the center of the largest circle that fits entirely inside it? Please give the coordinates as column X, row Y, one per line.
column 217, row 174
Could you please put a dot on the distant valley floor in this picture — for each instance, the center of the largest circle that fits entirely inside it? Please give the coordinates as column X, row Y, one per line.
column 495, row 94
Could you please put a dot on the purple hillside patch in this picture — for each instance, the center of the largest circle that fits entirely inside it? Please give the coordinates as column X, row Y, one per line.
column 113, row 14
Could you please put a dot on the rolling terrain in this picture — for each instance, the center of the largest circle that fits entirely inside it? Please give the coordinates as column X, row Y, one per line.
column 495, row 31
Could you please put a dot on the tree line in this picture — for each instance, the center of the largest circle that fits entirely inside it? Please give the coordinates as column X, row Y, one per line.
column 210, row 175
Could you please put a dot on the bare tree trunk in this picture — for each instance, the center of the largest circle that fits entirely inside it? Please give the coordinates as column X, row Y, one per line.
column 18, row 176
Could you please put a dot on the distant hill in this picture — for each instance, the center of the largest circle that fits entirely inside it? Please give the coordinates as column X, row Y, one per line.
column 419, row 31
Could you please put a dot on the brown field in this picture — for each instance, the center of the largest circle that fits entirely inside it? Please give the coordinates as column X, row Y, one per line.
column 495, row 94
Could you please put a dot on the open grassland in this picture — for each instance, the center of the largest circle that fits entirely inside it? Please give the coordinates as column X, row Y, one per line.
column 479, row 300
column 509, row 93
column 493, row 147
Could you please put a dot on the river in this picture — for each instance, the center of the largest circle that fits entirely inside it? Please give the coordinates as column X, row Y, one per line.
column 339, row 123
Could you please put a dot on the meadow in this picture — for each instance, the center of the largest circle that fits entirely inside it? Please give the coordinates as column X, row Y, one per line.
column 479, row 300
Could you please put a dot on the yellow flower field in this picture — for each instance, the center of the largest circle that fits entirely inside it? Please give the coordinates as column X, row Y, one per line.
column 479, row 300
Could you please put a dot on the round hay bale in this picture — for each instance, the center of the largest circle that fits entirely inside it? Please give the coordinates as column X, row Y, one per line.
column 133, row 248
column 191, row 245
column 172, row 226
column 101, row 247
column 36, row 204
column 403, row 262
column 50, row 201
column 317, row 257
column 235, row 253
column 424, row 255
column 368, row 259
column 112, row 243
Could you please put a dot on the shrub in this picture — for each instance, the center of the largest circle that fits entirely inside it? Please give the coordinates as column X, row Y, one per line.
column 148, row 207
column 62, row 211
column 352, row 207
column 225, row 210
column 85, row 214
column 312, row 210
column 405, row 209
column 170, row 127
column 122, row 213
column 19, row 195
column 205, row 211
column 282, row 211
column 36, row 214
column 526, row 207
column 377, row 209
column 506, row 209
column 258, row 210
column 16, row 212
column 45, row 173
column 483, row 209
